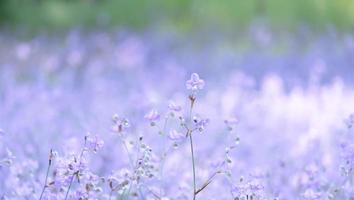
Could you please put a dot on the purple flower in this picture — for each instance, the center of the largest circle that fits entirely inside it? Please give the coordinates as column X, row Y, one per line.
column 176, row 136
column 310, row 194
column 172, row 106
column 119, row 124
column 94, row 143
column 195, row 83
column 153, row 116
column 200, row 123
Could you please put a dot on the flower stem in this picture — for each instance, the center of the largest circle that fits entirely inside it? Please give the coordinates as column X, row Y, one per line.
column 46, row 176
column 45, row 182
column 193, row 164
column 71, row 182
column 78, row 171
column 131, row 162
column 192, row 98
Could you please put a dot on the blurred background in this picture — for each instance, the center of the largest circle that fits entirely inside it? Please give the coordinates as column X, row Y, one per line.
column 294, row 39
column 284, row 68
column 183, row 14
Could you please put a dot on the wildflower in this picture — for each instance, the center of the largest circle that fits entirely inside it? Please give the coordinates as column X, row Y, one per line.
column 94, row 143
column 176, row 136
column 252, row 189
column 153, row 116
column 310, row 194
column 200, row 123
column 195, row 83
column 172, row 106
column 120, row 124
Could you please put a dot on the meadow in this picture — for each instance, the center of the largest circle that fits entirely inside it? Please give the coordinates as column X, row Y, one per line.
column 160, row 115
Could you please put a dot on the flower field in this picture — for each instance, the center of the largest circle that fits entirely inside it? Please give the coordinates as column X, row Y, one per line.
column 122, row 115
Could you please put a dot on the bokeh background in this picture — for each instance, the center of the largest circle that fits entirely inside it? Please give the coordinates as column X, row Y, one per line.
column 183, row 14
column 283, row 68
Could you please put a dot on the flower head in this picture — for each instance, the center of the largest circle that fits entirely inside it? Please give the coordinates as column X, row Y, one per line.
column 200, row 123
column 195, row 83
column 94, row 143
column 176, row 136
column 310, row 194
column 172, row 106
column 119, row 124
column 153, row 116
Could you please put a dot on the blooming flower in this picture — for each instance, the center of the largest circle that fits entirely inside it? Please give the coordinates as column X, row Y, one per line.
column 120, row 124
column 94, row 143
column 153, row 116
column 200, row 123
column 195, row 83
column 310, row 194
column 176, row 136
column 172, row 106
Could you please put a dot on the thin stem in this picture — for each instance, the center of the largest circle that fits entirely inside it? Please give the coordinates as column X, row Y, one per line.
column 164, row 152
column 110, row 195
column 210, row 179
column 130, row 187
column 131, row 162
column 47, row 174
column 71, row 182
column 45, row 183
column 193, row 164
column 78, row 171
column 189, row 132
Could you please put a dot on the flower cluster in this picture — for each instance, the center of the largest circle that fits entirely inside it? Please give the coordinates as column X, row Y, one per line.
column 260, row 140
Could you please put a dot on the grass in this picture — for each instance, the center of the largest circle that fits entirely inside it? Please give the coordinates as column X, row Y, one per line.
column 137, row 14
